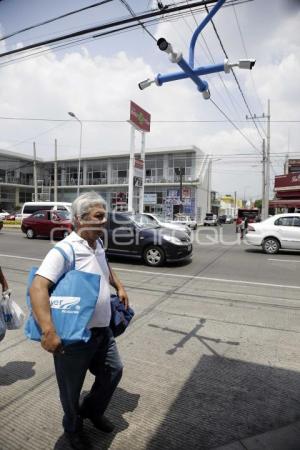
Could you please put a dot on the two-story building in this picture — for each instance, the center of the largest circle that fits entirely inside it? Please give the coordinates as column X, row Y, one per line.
column 108, row 175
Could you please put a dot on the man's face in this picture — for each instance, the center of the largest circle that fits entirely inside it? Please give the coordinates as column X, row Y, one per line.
column 92, row 224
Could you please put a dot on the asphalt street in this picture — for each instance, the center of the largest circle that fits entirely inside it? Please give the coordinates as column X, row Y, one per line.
column 211, row 359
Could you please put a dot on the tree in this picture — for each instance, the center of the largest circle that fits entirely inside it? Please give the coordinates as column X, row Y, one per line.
column 258, row 204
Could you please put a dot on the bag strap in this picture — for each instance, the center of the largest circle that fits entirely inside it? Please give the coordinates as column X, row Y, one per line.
column 65, row 256
column 108, row 265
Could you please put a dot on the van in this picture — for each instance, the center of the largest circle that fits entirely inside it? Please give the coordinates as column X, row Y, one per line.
column 210, row 219
column 32, row 207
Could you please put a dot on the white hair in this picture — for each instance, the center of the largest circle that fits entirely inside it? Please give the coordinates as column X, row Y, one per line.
column 84, row 203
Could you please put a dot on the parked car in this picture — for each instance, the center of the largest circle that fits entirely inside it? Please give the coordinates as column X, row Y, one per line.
column 229, row 219
column 281, row 231
column 148, row 218
column 3, row 214
column 10, row 217
column 1, row 224
column 185, row 220
column 210, row 220
column 29, row 208
column 56, row 224
column 222, row 218
column 126, row 236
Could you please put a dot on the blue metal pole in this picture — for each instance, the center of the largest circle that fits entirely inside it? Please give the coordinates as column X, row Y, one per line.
column 200, row 28
column 202, row 85
column 204, row 70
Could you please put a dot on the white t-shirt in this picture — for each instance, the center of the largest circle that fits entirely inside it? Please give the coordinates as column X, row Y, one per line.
column 86, row 260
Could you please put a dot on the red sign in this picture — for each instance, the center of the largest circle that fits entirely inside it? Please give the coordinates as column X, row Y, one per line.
column 288, row 181
column 139, row 118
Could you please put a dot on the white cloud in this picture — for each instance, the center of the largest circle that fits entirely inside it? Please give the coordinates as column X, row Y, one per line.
column 99, row 87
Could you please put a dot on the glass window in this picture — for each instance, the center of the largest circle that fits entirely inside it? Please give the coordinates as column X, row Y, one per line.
column 288, row 221
column 39, row 215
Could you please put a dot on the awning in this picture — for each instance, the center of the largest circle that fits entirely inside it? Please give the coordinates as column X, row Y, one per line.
column 294, row 203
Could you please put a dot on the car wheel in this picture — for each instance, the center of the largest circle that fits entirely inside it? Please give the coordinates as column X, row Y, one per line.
column 154, row 256
column 271, row 246
column 30, row 233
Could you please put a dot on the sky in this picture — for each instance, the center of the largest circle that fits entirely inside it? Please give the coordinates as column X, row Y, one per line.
column 97, row 78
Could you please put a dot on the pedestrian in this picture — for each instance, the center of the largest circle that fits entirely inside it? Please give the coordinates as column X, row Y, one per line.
column 242, row 228
column 246, row 225
column 3, row 282
column 100, row 354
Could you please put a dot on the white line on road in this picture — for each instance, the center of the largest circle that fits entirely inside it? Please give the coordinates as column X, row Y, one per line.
column 21, row 257
column 194, row 277
column 283, row 260
column 166, row 274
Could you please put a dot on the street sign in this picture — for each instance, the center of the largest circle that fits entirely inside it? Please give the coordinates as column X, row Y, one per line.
column 139, row 118
column 138, row 172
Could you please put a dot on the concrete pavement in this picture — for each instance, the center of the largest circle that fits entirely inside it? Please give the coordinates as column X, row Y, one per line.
column 208, row 365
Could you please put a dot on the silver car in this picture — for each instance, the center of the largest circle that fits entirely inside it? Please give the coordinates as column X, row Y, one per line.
column 149, row 218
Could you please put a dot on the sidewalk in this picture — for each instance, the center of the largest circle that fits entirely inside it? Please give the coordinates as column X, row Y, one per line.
column 202, row 371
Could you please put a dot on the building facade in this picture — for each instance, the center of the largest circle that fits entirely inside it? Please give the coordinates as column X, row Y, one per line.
column 287, row 188
column 108, row 175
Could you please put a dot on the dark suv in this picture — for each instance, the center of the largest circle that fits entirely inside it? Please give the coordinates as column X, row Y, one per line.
column 126, row 236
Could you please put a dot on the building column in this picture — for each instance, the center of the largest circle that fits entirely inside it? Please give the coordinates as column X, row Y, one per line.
column 166, row 167
column 84, row 173
column 17, row 197
column 109, row 171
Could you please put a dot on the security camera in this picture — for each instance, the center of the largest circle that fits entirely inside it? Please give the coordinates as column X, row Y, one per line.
column 146, row 83
column 206, row 94
column 164, row 45
column 246, row 63
column 242, row 64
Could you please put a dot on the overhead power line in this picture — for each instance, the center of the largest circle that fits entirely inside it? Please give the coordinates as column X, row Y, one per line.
column 236, row 127
column 108, row 25
column 43, row 119
column 134, row 15
column 31, row 27
column 233, row 73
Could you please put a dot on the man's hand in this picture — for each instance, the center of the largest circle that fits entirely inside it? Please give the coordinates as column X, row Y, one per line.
column 122, row 294
column 51, row 342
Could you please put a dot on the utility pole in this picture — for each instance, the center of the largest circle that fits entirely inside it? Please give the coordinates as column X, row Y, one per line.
column 209, row 185
column 180, row 172
column 264, row 213
column 55, row 171
column 234, row 203
column 35, row 174
column 266, row 162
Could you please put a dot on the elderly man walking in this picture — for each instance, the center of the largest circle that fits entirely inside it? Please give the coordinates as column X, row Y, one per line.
column 99, row 355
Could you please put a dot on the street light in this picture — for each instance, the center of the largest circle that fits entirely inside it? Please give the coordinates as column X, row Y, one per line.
column 79, row 158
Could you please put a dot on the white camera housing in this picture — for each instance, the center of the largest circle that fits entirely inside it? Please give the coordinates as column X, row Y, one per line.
column 242, row 64
column 247, row 63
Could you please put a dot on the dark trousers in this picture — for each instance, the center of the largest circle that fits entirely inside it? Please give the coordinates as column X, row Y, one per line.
column 100, row 356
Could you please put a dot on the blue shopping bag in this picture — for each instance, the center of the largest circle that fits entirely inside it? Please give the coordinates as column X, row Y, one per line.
column 72, row 301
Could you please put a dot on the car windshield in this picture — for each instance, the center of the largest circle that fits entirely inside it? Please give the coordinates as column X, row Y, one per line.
column 64, row 215
column 142, row 220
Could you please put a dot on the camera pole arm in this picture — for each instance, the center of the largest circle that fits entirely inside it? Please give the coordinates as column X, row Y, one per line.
column 200, row 27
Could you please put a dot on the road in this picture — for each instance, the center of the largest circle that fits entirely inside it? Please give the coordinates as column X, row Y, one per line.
column 211, row 358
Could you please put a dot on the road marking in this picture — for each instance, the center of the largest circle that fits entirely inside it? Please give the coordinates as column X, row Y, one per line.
column 20, row 257
column 283, row 260
column 166, row 274
column 194, row 277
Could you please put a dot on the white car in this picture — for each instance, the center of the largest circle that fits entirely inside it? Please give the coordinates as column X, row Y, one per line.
column 185, row 220
column 148, row 218
column 3, row 214
column 210, row 219
column 281, row 231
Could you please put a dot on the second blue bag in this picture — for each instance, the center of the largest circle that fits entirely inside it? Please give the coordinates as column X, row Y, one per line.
column 72, row 301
